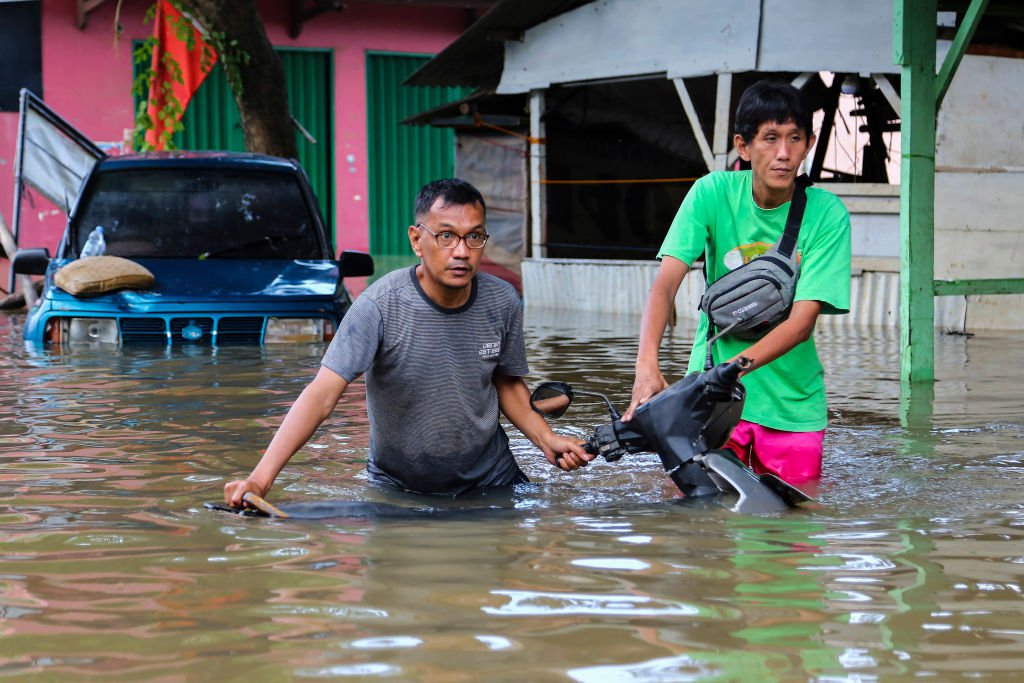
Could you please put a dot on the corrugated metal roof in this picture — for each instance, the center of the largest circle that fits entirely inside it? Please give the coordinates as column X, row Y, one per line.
column 475, row 59
column 476, row 110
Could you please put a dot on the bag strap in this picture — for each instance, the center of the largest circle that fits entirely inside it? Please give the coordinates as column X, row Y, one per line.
column 709, row 361
column 787, row 244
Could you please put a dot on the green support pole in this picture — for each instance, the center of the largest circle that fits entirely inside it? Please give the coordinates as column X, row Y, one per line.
column 914, row 51
column 972, row 17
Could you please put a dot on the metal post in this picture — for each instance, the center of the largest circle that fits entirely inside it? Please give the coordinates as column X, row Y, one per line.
column 538, row 225
column 723, row 104
column 19, row 155
column 914, row 51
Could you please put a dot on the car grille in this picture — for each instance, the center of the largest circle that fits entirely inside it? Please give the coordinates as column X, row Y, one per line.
column 204, row 325
column 143, row 330
column 240, row 330
column 234, row 330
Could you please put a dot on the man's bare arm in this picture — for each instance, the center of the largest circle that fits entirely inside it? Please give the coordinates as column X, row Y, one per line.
column 660, row 299
column 514, row 400
column 311, row 408
column 796, row 329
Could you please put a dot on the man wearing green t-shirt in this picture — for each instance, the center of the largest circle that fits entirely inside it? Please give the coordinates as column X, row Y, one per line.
column 732, row 217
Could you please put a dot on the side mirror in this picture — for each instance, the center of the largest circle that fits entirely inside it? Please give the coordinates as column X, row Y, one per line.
column 355, row 264
column 31, row 261
column 551, row 399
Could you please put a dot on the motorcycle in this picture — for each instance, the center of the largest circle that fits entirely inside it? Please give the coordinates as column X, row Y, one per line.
column 687, row 426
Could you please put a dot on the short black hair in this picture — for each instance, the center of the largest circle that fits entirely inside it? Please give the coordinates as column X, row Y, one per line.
column 453, row 191
column 772, row 102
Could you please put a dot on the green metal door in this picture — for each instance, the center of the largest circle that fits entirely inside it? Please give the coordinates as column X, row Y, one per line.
column 401, row 158
column 212, row 120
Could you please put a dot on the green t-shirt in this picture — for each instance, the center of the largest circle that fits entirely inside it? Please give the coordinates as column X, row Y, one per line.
column 719, row 218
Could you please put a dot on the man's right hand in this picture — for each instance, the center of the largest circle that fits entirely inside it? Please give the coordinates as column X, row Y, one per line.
column 234, row 490
column 645, row 387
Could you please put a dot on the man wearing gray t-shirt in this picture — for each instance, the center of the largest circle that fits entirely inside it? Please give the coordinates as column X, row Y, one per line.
column 442, row 349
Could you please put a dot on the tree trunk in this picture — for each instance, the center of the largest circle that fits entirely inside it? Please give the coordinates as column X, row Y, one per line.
column 263, row 102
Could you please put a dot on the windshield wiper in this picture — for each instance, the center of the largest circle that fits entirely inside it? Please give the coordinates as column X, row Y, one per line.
column 269, row 240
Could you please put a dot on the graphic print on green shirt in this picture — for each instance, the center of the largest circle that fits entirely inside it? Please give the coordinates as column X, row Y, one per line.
column 718, row 218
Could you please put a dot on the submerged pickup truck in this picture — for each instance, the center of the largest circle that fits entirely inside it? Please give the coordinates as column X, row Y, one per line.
column 235, row 242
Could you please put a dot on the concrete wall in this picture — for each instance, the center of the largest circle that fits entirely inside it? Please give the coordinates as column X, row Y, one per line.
column 620, row 288
column 979, row 186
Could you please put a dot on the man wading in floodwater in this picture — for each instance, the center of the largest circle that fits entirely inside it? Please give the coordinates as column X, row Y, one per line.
column 442, row 349
column 732, row 217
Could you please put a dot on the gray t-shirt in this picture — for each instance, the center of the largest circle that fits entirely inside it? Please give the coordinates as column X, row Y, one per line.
column 432, row 404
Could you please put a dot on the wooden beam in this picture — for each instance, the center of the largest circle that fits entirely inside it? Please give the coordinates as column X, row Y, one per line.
column 10, row 248
column 801, row 80
column 976, row 287
column 914, row 50
column 827, row 122
column 956, row 51
column 698, row 130
column 996, row 8
column 889, row 92
column 538, row 153
column 723, row 103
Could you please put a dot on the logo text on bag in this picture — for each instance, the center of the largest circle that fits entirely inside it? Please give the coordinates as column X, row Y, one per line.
column 746, row 308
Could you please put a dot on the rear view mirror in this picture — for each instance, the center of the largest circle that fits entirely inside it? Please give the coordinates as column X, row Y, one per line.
column 355, row 264
column 551, row 399
column 31, row 261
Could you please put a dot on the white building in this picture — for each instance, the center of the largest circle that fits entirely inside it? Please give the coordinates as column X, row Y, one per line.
column 591, row 119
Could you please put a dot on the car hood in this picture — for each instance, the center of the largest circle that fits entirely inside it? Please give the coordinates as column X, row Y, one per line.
column 222, row 280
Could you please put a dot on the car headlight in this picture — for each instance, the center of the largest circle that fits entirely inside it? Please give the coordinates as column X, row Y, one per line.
column 83, row 331
column 297, row 330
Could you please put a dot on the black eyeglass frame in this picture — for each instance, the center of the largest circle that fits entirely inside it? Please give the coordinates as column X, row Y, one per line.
column 458, row 238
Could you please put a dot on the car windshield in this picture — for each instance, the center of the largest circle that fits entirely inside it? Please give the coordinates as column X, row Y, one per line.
column 198, row 214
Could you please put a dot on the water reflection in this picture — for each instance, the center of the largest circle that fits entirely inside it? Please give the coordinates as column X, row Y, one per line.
column 911, row 565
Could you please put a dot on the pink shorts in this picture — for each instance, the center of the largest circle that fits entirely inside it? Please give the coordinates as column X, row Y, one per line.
column 794, row 456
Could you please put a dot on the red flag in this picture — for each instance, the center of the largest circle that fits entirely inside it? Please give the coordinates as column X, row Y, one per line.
column 191, row 64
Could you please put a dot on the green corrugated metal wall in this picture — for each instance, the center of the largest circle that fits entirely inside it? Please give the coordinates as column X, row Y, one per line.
column 212, row 120
column 401, row 158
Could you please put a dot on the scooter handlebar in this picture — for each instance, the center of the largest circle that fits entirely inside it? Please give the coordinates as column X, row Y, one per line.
column 729, row 373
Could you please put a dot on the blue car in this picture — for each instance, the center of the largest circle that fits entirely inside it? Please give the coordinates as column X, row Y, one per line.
column 235, row 243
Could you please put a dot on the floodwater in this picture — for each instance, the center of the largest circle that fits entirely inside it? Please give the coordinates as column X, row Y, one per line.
column 911, row 564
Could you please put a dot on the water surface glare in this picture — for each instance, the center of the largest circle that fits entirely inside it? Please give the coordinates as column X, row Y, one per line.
column 910, row 566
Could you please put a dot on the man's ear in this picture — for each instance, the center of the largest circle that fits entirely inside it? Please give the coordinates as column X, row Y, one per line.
column 741, row 147
column 414, row 240
column 810, row 144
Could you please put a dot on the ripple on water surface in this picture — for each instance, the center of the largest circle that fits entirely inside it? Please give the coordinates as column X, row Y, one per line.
column 909, row 566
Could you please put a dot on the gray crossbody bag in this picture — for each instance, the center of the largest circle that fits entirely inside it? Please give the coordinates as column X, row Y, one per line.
column 753, row 299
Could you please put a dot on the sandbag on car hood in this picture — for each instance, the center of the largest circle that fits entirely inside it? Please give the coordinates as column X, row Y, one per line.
column 237, row 280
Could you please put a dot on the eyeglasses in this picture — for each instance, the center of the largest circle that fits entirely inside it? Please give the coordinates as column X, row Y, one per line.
column 446, row 239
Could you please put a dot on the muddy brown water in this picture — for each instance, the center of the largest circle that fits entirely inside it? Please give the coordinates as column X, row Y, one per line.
column 910, row 566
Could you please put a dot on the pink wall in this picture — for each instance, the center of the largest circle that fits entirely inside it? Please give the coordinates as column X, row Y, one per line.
column 351, row 33
column 87, row 79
